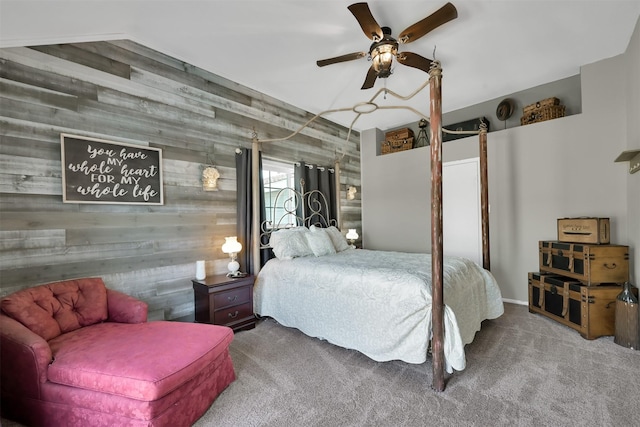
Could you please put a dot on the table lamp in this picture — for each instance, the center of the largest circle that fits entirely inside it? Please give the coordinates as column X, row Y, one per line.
column 352, row 236
column 231, row 246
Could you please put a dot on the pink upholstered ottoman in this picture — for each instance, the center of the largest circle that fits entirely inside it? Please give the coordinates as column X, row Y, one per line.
column 156, row 363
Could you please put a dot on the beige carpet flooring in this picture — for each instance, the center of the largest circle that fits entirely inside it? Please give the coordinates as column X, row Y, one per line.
column 522, row 370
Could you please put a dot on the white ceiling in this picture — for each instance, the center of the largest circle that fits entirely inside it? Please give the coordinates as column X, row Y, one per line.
column 494, row 48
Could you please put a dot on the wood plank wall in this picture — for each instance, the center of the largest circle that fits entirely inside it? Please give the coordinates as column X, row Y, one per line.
column 123, row 91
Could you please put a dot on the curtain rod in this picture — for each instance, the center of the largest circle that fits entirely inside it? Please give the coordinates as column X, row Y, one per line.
column 295, row 163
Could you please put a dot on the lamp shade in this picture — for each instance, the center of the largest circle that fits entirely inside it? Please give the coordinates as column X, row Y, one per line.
column 231, row 245
column 352, row 234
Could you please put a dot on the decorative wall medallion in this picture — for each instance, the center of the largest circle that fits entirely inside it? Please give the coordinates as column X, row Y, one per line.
column 505, row 109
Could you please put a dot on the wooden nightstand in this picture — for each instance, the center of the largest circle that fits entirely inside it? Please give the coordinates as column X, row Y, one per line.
column 223, row 300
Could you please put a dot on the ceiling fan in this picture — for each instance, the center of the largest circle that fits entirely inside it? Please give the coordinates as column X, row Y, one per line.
column 384, row 47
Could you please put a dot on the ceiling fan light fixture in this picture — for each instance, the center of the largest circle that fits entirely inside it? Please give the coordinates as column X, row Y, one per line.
column 385, row 47
column 382, row 55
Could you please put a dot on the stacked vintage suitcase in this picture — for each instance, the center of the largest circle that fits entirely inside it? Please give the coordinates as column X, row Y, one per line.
column 580, row 276
column 397, row 140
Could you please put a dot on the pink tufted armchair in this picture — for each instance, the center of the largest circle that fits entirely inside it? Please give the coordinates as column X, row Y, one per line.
column 75, row 353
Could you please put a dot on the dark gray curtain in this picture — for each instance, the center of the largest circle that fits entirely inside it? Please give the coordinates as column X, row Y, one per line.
column 245, row 210
column 316, row 178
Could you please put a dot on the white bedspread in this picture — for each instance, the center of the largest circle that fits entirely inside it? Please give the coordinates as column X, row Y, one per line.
column 378, row 302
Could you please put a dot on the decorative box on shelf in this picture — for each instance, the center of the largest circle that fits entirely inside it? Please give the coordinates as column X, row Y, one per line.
column 546, row 109
column 396, row 146
column 397, row 134
column 397, row 140
column 584, row 230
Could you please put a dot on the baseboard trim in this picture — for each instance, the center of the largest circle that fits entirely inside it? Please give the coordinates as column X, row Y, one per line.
column 515, row 301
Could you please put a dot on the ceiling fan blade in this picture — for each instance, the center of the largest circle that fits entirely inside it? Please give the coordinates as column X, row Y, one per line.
column 366, row 20
column 342, row 58
column 443, row 15
column 370, row 80
column 414, row 60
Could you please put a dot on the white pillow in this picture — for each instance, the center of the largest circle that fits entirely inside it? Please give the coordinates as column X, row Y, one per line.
column 290, row 243
column 319, row 241
column 338, row 240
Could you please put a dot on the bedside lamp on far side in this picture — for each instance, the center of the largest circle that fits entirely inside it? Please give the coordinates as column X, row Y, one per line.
column 352, row 236
column 231, row 246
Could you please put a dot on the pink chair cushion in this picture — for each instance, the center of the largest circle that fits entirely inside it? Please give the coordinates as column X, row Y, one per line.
column 143, row 361
column 60, row 307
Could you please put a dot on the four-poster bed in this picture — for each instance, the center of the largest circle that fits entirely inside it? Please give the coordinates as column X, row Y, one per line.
column 437, row 309
column 376, row 302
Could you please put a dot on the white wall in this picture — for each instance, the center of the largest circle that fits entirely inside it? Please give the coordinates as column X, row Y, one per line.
column 394, row 194
column 537, row 173
column 633, row 143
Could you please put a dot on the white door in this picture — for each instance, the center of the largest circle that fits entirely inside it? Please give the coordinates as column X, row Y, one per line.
column 461, row 217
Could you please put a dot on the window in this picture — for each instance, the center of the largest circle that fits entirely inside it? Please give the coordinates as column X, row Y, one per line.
column 277, row 176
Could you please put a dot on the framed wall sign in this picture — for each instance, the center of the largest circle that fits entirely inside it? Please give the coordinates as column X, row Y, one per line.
column 99, row 171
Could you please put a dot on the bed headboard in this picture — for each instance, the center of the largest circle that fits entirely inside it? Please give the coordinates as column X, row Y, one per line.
column 292, row 208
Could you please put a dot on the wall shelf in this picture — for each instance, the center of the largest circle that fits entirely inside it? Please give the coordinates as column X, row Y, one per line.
column 631, row 156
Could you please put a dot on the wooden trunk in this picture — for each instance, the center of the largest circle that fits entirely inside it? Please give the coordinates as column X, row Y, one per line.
column 584, row 230
column 590, row 264
column 589, row 310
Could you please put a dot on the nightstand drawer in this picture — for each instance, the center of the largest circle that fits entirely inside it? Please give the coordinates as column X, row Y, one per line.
column 232, row 297
column 233, row 314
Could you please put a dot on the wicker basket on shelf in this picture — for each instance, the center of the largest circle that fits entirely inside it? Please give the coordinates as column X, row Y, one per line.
column 548, row 102
column 395, row 145
column 546, row 109
column 397, row 140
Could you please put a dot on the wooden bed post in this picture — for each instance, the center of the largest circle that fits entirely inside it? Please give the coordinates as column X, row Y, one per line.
column 336, row 170
column 484, row 197
column 255, row 204
column 437, row 312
